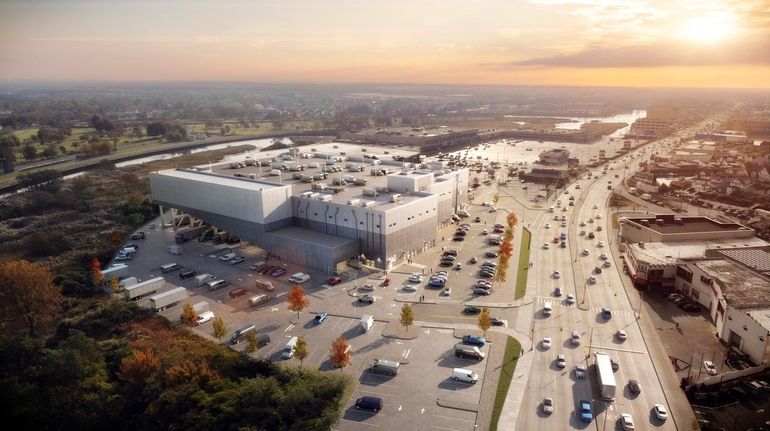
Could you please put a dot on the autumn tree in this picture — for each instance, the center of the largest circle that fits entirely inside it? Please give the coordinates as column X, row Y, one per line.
column 251, row 342
column 496, row 198
column 297, row 300
column 219, row 328
column 189, row 316
column 96, row 272
column 114, row 284
column 339, row 354
column 301, row 351
column 485, row 320
column 138, row 367
column 407, row 316
column 512, row 220
column 29, row 300
column 116, row 238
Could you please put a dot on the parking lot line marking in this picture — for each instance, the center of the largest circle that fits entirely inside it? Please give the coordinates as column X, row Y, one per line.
column 289, row 328
column 399, row 408
column 273, row 308
column 422, row 411
column 359, row 422
column 454, row 418
column 281, row 294
column 406, row 354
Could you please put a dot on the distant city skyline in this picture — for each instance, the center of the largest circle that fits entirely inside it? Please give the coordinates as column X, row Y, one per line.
column 654, row 43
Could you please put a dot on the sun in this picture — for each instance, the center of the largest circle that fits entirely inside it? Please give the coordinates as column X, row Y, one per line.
column 707, row 29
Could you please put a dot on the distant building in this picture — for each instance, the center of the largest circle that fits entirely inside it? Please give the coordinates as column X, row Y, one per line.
column 558, row 156
column 428, row 140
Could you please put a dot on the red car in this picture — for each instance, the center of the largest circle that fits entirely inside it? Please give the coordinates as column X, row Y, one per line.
column 334, row 281
column 499, row 230
column 386, row 282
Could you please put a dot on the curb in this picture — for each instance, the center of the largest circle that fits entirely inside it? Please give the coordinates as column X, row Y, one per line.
column 457, row 405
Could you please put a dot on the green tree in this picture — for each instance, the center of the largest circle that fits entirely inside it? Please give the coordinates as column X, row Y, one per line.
column 251, row 342
column 301, row 351
column 485, row 320
column 189, row 316
column 407, row 316
column 219, row 328
column 29, row 152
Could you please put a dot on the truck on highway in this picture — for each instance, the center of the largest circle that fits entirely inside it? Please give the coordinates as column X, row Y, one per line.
column 144, row 288
column 605, row 375
column 646, row 196
column 194, row 232
column 633, row 190
column 160, row 301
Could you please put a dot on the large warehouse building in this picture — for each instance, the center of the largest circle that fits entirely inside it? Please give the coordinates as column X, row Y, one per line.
column 382, row 211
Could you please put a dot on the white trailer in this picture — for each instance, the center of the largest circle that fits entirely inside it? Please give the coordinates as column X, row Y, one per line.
column 144, row 288
column 160, row 301
column 127, row 282
column 119, row 270
column 201, row 307
column 606, row 376
column 366, row 323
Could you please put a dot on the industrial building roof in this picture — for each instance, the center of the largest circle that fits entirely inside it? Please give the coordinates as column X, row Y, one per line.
column 213, row 178
column 756, row 259
column 741, row 287
column 667, row 253
column 674, row 224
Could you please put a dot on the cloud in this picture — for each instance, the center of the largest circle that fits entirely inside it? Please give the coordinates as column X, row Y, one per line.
column 655, row 55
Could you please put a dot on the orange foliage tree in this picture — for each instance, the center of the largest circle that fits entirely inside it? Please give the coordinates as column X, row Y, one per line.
column 340, row 353
column 29, row 300
column 138, row 367
column 297, row 300
column 96, row 272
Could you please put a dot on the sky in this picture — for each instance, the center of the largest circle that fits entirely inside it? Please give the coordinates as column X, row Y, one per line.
column 637, row 43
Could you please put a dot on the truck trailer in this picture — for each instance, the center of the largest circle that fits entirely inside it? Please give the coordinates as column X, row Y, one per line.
column 144, row 288
column 160, row 301
column 119, row 270
column 202, row 279
column 605, row 375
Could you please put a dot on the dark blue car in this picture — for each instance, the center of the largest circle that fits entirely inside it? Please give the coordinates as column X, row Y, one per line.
column 474, row 340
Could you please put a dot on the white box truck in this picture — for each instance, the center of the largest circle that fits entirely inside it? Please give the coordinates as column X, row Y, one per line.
column 366, row 323
column 119, row 270
column 202, row 279
column 299, row 278
column 144, row 288
column 160, row 301
column 606, row 376
column 127, row 282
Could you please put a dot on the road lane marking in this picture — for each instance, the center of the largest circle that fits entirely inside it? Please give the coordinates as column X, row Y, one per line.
column 455, row 317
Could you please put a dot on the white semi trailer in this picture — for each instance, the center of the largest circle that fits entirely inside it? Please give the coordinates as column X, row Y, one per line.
column 160, row 301
column 144, row 288
column 606, row 376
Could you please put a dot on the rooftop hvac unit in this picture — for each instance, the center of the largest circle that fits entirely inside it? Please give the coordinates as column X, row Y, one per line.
column 395, row 198
column 404, row 173
column 326, row 198
column 354, row 202
column 315, row 195
column 381, row 189
column 369, row 192
column 367, row 204
column 306, row 194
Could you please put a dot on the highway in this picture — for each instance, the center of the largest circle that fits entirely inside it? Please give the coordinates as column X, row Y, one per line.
column 597, row 333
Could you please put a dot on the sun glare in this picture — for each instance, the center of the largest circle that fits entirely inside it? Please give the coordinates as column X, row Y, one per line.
column 707, row 29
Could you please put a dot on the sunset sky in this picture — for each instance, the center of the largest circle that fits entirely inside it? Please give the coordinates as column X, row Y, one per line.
column 683, row 43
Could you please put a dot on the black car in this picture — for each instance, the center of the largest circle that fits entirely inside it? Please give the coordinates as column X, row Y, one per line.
column 478, row 219
column 137, row 235
column 470, row 309
column 689, row 306
column 369, row 403
column 458, row 238
column 497, row 322
column 490, row 254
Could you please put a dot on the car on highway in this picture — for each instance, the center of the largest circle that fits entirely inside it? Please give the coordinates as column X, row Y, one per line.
column 633, row 387
column 564, row 224
column 320, row 317
column 477, row 219
column 580, row 371
column 546, row 343
column 591, row 235
column 556, row 274
column 548, row 405
column 471, row 309
column 575, row 338
column 585, row 252
column 621, row 334
column 474, row 340
column 586, row 410
column 598, row 216
column 561, row 360
column 557, row 291
column 615, row 364
column 334, row 281
column 626, row 421
column 660, row 412
column 582, row 224
column 711, row 369
column 367, row 299
column 591, row 279
column 606, row 264
column 600, row 244
column 570, row 299
column 603, row 256
column 546, row 246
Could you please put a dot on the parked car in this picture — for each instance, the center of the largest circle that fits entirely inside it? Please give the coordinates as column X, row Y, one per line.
column 474, row 340
column 334, row 281
column 497, row 322
column 690, row 306
column 660, row 412
column 548, row 405
column 481, row 292
column 366, row 299
column 633, row 387
column 711, row 369
column 236, row 260
column 366, row 288
column 278, row 272
column 621, row 334
column 586, row 411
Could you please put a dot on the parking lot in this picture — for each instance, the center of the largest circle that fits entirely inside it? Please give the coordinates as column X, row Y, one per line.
column 412, row 396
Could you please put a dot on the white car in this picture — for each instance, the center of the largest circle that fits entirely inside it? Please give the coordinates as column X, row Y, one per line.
column 492, row 209
column 600, row 244
column 409, row 288
column 446, row 292
column 585, row 252
column 598, row 216
column 546, row 246
column 660, row 412
column 556, row 274
column 570, row 299
column 580, row 371
column 592, row 280
column 582, row 224
column 627, row 421
column 603, row 256
column 205, row 317
column 415, row 278
column 548, row 406
column 546, row 343
column 548, row 225
column 621, row 334
column 711, row 369
column 596, row 207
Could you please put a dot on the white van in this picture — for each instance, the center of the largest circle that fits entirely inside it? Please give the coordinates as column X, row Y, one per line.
column 288, row 350
column 463, row 375
column 547, row 307
column 227, row 257
column 205, row 317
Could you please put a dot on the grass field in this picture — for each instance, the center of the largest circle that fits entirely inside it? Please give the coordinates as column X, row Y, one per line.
column 521, row 274
column 510, row 358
